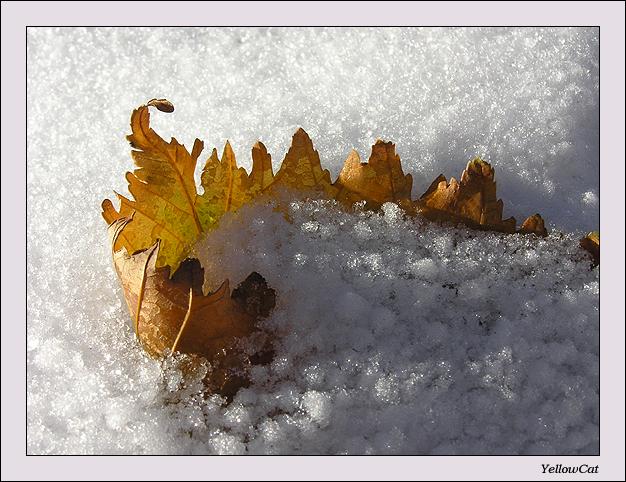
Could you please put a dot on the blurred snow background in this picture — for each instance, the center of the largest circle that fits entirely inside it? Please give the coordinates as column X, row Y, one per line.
column 402, row 337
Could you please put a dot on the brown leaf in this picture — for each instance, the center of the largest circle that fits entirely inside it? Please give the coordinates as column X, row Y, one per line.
column 152, row 235
column 472, row 201
column 173, row 314
column 377, row 181
column 591, row 244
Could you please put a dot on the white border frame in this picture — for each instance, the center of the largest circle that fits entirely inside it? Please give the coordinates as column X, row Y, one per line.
column 17, row 15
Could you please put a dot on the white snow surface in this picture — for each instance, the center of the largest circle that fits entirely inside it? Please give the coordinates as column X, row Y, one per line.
column 395, row 335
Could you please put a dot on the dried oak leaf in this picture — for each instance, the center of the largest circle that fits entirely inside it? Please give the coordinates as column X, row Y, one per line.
column 591, row 244
column 472, row 201
column 153, row 234
column 377, row 181
column 171, row 313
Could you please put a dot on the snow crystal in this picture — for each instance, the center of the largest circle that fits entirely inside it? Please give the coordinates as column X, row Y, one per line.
column 394, row 335
column 590, row 198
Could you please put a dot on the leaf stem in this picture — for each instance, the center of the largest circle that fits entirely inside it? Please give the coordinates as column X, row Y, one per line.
column 142, row 289
column 182, row 327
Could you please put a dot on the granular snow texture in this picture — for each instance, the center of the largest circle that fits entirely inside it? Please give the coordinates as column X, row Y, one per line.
column 396, row 335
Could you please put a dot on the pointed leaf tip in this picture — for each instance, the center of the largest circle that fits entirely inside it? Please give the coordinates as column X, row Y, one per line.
column 301, row 134
column 472, row 201
column 377, row 181
column 534, row 225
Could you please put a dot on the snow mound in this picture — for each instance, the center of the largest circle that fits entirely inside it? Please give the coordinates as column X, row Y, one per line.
column 393, row 336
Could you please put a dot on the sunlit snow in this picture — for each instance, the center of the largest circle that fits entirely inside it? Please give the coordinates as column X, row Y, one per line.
column 396, row 335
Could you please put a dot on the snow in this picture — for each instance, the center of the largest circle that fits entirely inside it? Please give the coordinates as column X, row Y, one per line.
column 396, row 335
